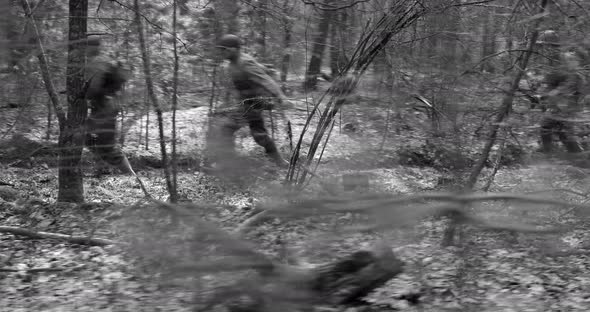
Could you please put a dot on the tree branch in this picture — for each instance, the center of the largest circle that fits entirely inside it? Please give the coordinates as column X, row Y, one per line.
column 330, row 7
column 41, row 56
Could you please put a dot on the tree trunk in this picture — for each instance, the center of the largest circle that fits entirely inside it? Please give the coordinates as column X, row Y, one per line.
column 317, row 50
column 287, row 38
column 154, row 99
column 287, row 54
column 498, row 122
column 488, row 41
column 6, row 19
column 263, row 21
column 174, row 106
column 334, row 46
column 71, row 136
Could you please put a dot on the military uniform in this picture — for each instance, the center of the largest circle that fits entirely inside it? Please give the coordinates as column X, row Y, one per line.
column 561, row 94
column 563, row 88
column 104, row 79
column 256, row 90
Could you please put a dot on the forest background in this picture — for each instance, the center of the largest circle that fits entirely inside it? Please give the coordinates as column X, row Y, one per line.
column 440, row 123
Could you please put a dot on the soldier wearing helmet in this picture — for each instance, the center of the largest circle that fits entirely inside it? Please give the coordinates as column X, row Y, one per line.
column 561, row 94
column 104, row 78
column 254, row 87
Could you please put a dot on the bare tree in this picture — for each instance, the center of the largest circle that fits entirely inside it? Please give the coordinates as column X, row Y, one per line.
column 71, row 136
column 317, row 51
column 173, row 194
column 154, row 99
column 288, row 6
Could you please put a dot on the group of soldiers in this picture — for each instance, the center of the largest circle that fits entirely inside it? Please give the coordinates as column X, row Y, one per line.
column 257, row 91
column 559, row 93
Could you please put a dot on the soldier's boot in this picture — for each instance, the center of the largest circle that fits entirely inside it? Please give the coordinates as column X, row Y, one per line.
column 568, row 139
column 546, row 139
column 221, row 153
column 271, row 149
column 278, row 159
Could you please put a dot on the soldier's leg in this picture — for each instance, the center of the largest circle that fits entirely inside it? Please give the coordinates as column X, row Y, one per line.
column 260, row 135
column 100, row 168
column 102, row 142
column 568, row 138
column 547, row 129
column 107, row 149
column 220, row 136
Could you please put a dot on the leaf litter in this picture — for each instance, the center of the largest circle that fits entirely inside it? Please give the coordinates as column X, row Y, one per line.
column 488, row 272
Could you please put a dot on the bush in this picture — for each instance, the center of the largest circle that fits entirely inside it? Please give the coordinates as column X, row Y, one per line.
column 436, row 155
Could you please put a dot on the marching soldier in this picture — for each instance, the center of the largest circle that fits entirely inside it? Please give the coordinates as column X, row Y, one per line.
column 255, row 89
column 103, row 80
column 562, row 95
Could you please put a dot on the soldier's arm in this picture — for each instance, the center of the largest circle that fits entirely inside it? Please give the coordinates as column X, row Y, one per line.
column 258, row 75
column 95, row 78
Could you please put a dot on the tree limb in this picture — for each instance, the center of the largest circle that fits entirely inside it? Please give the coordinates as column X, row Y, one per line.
column 330, row 7
column 41, row 56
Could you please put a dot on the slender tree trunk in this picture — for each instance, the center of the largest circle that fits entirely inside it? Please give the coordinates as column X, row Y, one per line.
column 506, row 107
column 287, row 53
column 504, row 112
column 335, row 45
column 263, row 21
column 317, row 50
column 71, row 136
column 44, row 68
column 287, row 38
column 488, row 39
column 154, row 99
column 174, row 105
column 49, row 119
column 6, row 19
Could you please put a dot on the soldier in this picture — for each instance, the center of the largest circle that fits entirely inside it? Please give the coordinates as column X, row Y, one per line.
column 103, row 80
column 254, row 87
column 561, row 94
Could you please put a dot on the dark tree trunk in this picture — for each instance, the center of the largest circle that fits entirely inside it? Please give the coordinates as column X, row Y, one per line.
column 287, row 38
column 287, row 55
column 263, row 21
column 317, row 51
column 488, row 41
column 334, row 46
column 71, row 136
column 337, row 45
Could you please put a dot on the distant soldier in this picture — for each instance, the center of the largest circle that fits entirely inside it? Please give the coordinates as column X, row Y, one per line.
column 561, row 94
column 256, row 89
column 104, row 79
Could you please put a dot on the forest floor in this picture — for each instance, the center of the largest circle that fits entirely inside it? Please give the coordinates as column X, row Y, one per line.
column 486, row 272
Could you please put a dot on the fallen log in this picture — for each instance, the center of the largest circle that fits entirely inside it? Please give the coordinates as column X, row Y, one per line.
column 351, row 278
column 344, row 281
column 92, row 241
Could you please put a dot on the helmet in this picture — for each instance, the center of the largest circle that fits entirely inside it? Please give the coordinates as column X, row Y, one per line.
column 229, row 41
column 548, row 37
